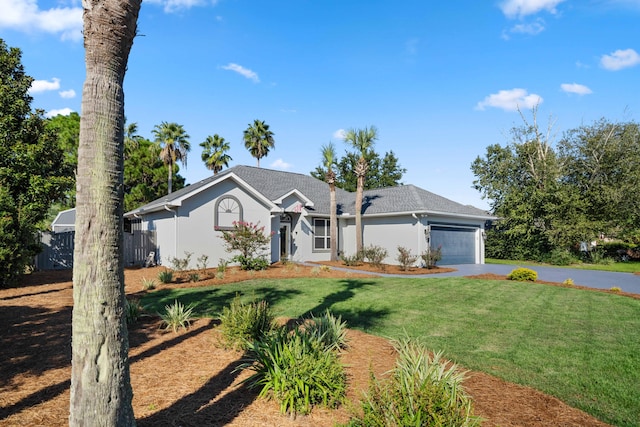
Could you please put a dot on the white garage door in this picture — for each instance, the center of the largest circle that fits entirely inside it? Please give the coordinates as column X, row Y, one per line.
column 458, row 244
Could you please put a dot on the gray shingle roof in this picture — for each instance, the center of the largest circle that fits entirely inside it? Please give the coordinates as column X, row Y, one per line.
column 274, row 184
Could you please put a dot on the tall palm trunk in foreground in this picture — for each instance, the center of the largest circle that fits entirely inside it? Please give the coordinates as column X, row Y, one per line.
column 100, row 389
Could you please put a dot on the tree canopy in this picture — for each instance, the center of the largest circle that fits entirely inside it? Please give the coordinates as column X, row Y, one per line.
column 258, row 139
column 33, row 171
column 551, row 197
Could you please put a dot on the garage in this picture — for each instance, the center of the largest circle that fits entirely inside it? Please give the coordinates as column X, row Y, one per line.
column 458, row 244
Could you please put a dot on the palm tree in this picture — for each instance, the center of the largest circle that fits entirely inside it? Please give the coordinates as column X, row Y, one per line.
column 213, row 153
column 362, row 140
column 100, row 388
column 174, row 145
column 328, row 160
column 258, row 139
column 131, row 139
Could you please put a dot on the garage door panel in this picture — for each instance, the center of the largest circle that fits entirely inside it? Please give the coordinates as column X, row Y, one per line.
column 458, row 244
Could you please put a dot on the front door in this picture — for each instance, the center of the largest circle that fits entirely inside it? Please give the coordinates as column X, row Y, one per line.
column 285, row 241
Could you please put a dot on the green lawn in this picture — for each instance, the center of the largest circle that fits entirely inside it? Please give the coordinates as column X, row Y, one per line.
column 581, row 346
column 622, row 267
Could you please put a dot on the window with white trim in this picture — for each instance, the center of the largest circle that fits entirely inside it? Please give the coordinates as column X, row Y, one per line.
column 321, row 234
column 227, row 211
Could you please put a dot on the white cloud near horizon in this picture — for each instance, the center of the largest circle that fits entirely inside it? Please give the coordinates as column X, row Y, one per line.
column 245, row 72
column 620, row 59
column 521, row 8
column 510, row 100
column 67, row 94
column 576, row 88
column 281, row 165
column 39, row 86
column 172, row 6
column 26, row 16
column 60, row 112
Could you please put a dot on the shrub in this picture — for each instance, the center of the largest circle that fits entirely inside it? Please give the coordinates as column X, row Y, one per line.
column 315, row 271
column 568, row 282
column 561, row 257
column 240, row 323
column 615, row 289
column 165, row 276
column 328, row 329
column 148, row 284
column 181, row 264
column 253, row 264
column 222, row 265
column 325, row 268
column 375, row 255
column 194, row 277
column 133, row 310
column 598, row 256
column 296, row 370
column 220, row 275
column 202, row 262
column 406, row 258
column 177, row 316
column 423, row 390
column 248, row 239
column 353, row 260
column 523, row 275
column 431, row 256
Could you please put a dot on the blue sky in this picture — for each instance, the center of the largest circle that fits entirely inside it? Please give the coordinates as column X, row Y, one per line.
column 441, row 80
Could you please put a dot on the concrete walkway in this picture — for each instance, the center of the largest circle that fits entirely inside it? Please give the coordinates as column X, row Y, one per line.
column 627, row 282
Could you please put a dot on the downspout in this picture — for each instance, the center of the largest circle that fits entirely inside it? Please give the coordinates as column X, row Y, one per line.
column 175, row 229
column 419, row 233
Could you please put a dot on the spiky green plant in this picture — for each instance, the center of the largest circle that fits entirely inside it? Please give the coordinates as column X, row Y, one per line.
column 241, row 323
column 328, row 329
column 148, row 284
column 133, row 310
column 177, row 316
column 165, row 276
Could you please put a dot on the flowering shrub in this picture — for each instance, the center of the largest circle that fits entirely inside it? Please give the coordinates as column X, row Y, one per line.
column 249, row 239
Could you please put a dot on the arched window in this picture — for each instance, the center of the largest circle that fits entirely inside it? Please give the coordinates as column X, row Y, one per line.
column 228, row 210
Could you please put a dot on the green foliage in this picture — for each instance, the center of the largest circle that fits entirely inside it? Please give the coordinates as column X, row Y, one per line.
column 431, row 256
column 423, row 390
column 375, row 255
column 385, row 172
column 148, row 284
column 202, row 262
column 67, row 131
column 599, row 256
column 33, row 172
column 194, row 277
column 523, row 275
column 560, row 256
column 258, row 139
column 172, row 142
column 222, row 265
column 352, row 260
column 327, row 329
column 214, row 154
column 249, row 239
column 165, row 276
column 242, row 323
column 406, row 258
column 177, row 316
column 568, row 282
column 181, row 264
column 133, row 310
column 297, row 370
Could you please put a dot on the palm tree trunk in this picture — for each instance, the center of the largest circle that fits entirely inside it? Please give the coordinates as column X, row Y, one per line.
column 333, row 223
column 359, row 195
column 100, row 387
column 170, row 180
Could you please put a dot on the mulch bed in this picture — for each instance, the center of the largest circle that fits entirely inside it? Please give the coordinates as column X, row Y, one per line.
column 187, row 379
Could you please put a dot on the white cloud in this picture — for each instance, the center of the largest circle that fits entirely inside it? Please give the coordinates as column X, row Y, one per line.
column 26, row 16
column 522, row 8
column 67, row 93
column 510, row 100
column 531, row 29
column 171, row 6
column 575, row 88
column 245, row 72
column 60, row 112
column 281, row 165
column 620, row 59
column 340, row 134
column 38, row 86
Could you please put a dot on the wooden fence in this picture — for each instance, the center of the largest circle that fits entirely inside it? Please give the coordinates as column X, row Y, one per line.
column 57, row 249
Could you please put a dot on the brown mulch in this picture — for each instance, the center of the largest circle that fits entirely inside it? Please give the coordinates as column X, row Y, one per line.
column 186, row 379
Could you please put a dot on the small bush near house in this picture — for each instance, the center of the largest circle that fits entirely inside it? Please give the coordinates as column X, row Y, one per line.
column 353, row 260
column 133, row 310
column 375, row 255
column 296, row 370
column 523, row 275
column 406, row 258
column 222, row 265
column 241, row 324
column 249, row 239
column 561, row 257
column 194, row 277
column 177, row 316
column 423, row 390
column 165, row 276
column 181, row 264
column 430, row 257
column 202, row 262
column 251, row 264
